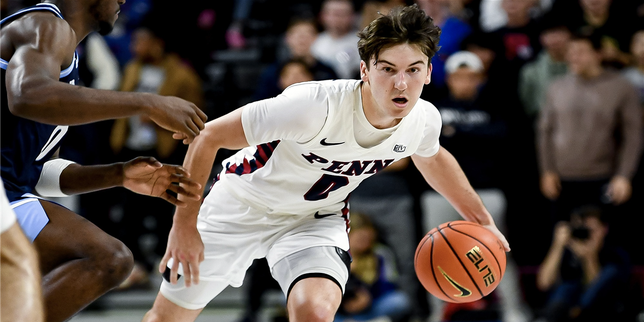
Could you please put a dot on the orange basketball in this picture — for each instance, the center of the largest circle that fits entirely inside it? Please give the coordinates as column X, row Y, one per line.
column 460, row 261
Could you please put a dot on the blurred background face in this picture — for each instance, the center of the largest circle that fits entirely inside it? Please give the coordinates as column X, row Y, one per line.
column 300, row 37
column 595, row 7
column 463, row 83
column 556, row 40
column 294, row 73
column 145, row 46
column 337, row 16
column 361, row 240
column 637, row 46
column 581, row 57
column 486, row 55
column 517, row 7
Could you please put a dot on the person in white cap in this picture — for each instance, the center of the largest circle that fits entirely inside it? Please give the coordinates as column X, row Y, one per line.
column 476, row 131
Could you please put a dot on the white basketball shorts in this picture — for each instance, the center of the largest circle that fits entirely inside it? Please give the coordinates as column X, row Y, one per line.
column 234, row 234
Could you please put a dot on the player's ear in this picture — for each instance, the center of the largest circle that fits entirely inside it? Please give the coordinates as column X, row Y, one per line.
column 363, row 71
column 429, row 74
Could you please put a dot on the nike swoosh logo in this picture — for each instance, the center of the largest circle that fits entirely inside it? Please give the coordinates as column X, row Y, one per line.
column 318, row 216
column 324, row 142
column 464, row 292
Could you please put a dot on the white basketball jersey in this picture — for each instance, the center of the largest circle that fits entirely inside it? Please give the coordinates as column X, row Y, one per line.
column 290, row 176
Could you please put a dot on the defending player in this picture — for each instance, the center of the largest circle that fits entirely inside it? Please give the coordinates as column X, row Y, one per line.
column 286, row 198
column 39, row 100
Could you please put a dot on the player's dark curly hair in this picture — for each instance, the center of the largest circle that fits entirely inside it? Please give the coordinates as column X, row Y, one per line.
column 402, row 25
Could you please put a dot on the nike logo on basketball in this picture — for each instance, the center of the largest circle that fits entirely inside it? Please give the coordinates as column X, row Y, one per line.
column 324, row 142
column 319, row 216
column 464, row 292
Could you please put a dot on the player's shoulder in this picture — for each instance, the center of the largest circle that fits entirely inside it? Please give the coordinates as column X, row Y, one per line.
column 323, row 88
column 427, row 108
column 38, row 26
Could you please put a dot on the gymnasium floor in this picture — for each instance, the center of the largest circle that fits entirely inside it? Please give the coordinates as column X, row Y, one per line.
column 130, row 306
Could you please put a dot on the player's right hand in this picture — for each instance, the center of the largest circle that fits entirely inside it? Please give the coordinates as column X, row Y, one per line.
column 185, row 247
column 177, row 115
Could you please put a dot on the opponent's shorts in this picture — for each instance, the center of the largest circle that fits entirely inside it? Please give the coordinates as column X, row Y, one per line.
column 7, row 216
column 30, row 214
column 234, row 234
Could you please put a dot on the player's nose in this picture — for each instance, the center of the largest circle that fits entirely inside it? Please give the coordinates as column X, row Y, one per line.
column 401, row 82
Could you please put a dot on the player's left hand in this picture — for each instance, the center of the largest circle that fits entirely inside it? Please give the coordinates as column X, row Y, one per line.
column 147, row 176
column 499, row 235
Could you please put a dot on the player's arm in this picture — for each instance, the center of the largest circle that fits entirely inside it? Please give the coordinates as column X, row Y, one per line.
column 143, row 175
column 184, row 243
column 443, row 173
column 43, row 43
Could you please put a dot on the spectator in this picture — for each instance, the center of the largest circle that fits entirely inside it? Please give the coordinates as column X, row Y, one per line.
column 336, row 45
column 584, row 273
column 371, row 9
column 152, row 70
column 536, row 76
column 371, row 291
column 475, row 128
column 454, row 28
column 519, row 39
column 493, row 16
column 581, row 159
column 613, row 21
column 299, row 37
column 635, row 72
column 294, row 71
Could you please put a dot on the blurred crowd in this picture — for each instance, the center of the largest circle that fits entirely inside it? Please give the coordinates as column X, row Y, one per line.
column 542, row 103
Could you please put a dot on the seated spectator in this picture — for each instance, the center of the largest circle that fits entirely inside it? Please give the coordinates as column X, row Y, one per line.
column 635, row 72
column 614, row 21
column 454, row 28
column 371, row 291
column 299, row 36
column 294, row 71
column 584, row 273
column 336, row 45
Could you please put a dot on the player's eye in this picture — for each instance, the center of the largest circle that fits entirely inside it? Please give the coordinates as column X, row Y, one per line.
column 414, row 70
column 388, row 69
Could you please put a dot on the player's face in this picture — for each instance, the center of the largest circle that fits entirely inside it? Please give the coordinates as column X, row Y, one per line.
column 393, row 85
column 105, row 13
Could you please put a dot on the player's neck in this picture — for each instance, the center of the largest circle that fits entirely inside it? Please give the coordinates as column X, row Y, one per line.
column 76, row 16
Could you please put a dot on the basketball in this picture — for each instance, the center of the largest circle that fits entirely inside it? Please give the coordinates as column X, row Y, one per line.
column 460, row 261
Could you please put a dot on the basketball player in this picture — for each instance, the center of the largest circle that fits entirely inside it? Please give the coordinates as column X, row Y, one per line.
column 286, row 197
column 39, row 100
column 20, row 295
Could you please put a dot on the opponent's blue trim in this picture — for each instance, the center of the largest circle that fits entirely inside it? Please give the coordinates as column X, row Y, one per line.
column 63, row 73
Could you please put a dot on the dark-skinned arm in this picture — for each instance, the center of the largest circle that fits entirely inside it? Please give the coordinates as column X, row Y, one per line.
column 143, row 175
column 43, row 44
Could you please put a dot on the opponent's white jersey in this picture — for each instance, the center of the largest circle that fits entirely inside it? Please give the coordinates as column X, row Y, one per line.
column 312, row 160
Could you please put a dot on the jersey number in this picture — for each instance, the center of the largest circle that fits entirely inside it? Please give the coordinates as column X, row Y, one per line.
column 54, row 138
column 324, row 185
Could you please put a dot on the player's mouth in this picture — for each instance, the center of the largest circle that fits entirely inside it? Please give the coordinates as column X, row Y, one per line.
column 400, row 101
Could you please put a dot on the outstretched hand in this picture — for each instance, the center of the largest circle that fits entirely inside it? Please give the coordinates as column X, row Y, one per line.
column 147, row 176
column 183, row 118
